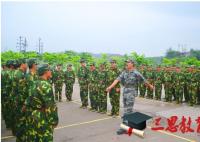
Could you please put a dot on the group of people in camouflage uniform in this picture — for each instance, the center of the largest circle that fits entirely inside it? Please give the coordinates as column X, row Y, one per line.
column 59, row 77
column 28, row 105
column 178, row 83
column 94, row 81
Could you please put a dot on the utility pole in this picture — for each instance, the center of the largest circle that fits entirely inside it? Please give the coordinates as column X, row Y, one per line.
column 40, row 46
column 22, row 44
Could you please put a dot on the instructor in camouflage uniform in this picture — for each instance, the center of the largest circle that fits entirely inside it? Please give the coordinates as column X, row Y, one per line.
column 129, row 79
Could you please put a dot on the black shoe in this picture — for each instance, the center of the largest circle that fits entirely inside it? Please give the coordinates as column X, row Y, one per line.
column 121, row 131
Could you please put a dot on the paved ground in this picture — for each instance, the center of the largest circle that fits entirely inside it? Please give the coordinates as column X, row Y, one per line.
column 81, row 125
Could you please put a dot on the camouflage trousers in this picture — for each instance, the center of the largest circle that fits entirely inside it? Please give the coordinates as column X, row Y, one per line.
column 129, row 99
column 21, row 125
column 158, row 91
column 84, row 95
column 198, row 94
column 6, row 111
column 68, row 91
column 186, row 93
column 39, row 129
column 115, row 102
column 102, row 101
column 142, row 88
column 192, row 94
column 168, row 92
column 94, row 99
column 179, row 94
column 58, row 91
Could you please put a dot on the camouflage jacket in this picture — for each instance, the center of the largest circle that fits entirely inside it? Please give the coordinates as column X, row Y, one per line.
column 58, row 77
column 103, row 80
column 83, row 74
column 93, row 80
column 151, row 76
column 112, row 75
column 31, row 79
column 130, row 79
column 43, row 101
column 19, row 85
column 168, row 77
column 159, row 77
column 69, row 77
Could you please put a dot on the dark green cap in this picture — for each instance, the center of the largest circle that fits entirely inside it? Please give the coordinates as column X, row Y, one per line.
column 21, row 61
column 42, row 69
column 104, row 63
column 31, row 62
column 69, row 65
column 92, row 64
column 113, row 61
column 82, row 60
column 9, row 63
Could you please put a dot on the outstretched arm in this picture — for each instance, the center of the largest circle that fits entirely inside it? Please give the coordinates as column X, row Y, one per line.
column 112, row 85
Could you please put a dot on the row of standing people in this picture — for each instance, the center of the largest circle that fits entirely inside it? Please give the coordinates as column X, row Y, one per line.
column 28, row 105
column 92, row 82
column 178, row 83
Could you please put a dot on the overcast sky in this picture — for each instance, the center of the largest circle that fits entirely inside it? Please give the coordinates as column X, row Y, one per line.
column 148, row 28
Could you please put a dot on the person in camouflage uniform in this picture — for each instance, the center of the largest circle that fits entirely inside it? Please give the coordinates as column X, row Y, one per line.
column 179, row 85
column 186, row 82
column 168, row 84
column 93, row 87
column 82, row 74
column 52, row 71
column 44, row 110
column 158, row 83
column 198, row 85
column 6, row 93
column 58, row 79
column 142, row 86
column 173, row 82
column 3, row 90
column 69, row 77
column 129, row 79
column 102, row 84
column 114, row 93
column 192, row 86
column 31, row 79
column 151, row 78
column 20, row 95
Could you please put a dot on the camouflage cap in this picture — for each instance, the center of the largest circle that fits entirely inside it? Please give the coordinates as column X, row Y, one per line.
column 104, row 63
column 32, row 61
column 130, row 60
column 59, row 64
column 82, row 61
column 9, row 63
column 42, row 69
column 21, row 61
column 113, row 61
column 92, row 64
column 69, row 65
